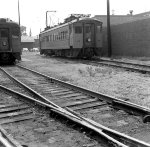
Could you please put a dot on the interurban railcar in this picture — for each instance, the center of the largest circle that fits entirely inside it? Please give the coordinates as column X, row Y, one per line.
column 80, row 38
column 10, row 41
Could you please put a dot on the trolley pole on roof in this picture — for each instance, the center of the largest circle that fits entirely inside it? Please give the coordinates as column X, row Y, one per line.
column 108, row 30
column 18, row 13
column 46, row 16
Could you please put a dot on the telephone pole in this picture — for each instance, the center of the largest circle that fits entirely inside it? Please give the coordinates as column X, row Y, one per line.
column 30, row 33
column 18, row 12
column 108, row 30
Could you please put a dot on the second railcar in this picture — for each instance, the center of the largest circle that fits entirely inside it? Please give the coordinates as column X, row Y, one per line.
column 80, row 38
column 10, row 41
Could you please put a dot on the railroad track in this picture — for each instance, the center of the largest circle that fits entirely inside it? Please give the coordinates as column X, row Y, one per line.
column 142, row 68
column 76, row 100
column 135, row 67
column 27, row 122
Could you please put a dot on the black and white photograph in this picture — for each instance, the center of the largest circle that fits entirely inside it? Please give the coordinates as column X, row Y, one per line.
column 75, row 73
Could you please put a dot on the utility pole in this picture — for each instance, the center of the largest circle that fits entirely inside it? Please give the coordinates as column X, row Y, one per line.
column 108, row 30
column 30, row 33
column 18, row 13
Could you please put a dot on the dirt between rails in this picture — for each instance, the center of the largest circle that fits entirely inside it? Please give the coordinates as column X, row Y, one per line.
column 111, row 81
column 45, row 131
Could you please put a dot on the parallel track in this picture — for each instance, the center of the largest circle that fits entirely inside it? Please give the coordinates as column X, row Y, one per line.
column 85, row 102
column 142, row 68
column 135, row 67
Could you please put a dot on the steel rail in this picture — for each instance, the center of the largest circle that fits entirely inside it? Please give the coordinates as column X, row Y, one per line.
column 42, row 99
column 125, row 67
column 102, row 62
column 115, row 102
column 128, row 63
column 103, row 131
column 126, row 138
column 7, row 140
column 28, row 88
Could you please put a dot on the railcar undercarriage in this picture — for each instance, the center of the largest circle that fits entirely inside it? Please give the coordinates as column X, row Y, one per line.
column 72, row 53
column 9, row 58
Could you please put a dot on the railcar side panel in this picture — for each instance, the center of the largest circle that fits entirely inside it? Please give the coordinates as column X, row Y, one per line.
column 78, row 38
column 16, row 39
column 4, row 39
column 77, row 35
column 71, row 32
column 10, row 41
column 56, row 39
column 98, row 35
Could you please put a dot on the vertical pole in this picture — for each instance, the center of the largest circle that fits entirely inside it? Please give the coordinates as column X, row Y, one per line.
column 18, row 13
column 46, row 19
column 108, row 30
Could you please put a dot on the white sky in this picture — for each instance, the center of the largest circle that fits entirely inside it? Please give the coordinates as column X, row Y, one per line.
column 33, row 12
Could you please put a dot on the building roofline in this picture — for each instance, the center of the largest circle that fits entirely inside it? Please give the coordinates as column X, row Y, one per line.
column 116, row 16
column 148, row 12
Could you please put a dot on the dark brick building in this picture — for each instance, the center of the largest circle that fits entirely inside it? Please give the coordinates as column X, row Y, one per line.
column 117, row 19
column 130, row 34
column 27, row 42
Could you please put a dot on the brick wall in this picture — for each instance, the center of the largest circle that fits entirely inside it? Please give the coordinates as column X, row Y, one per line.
column 28, row 45
column 116, row 19
column 36, row 43
column 131, row 39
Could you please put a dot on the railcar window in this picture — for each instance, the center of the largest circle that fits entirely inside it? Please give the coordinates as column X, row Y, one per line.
column 16, row 31
column 78, row 29
column 65, row 34
column 44, row 39
column 59, row 36
column 99, row 28
column 4, row 33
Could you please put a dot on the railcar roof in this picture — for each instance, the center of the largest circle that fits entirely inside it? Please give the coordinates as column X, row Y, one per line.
column 10, row 23
column 71, row 22
column 7, row 21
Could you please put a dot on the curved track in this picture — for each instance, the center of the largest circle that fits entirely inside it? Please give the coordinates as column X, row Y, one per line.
column 33, row 123
column 77, row 101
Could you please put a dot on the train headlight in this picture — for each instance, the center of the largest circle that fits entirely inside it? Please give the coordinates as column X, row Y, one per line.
column 89, row 40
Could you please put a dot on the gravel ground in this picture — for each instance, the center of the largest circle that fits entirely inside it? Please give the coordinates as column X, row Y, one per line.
column 111, row 81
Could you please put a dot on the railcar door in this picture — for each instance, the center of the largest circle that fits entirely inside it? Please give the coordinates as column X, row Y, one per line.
column 89, row 35
column 4, row 40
